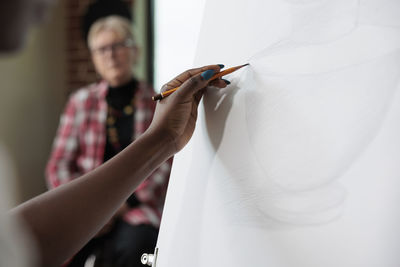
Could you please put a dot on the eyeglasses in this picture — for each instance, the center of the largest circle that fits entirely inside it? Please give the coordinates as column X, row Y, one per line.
column 115, row 47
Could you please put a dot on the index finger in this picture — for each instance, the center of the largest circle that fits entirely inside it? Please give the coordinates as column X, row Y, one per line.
column 181, row 78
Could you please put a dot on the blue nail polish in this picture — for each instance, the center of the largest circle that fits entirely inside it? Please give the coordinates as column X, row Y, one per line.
column 221, row 66
column 207, row 74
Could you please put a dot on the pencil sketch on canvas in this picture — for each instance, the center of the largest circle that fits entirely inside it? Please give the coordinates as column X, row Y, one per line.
column 265, row 179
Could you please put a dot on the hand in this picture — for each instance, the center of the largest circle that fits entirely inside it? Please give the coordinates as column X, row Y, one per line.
column 175, row 116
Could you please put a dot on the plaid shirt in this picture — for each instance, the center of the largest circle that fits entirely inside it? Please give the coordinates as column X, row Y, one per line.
column 80, row 143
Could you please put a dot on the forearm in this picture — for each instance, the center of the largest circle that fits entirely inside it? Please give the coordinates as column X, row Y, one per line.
column 54, row 180
column 64, row 219
column 152, row 191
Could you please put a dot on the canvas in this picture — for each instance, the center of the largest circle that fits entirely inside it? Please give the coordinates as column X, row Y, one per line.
column 295, row 162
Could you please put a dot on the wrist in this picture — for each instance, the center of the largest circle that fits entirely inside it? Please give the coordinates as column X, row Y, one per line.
column 163, row 143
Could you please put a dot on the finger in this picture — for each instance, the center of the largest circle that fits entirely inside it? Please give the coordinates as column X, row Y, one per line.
column 181, row 78
column 194, row 84
column 198, row 96
column 220, row 83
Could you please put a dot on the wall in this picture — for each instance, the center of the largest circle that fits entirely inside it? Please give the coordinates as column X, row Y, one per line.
column 35, row 84
column 176, row 37
column 32, row 96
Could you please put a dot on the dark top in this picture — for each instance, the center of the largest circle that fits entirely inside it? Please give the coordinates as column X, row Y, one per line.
column 118, row 98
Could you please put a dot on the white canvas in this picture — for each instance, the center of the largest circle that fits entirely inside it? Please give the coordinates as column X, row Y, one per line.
column 296, row 162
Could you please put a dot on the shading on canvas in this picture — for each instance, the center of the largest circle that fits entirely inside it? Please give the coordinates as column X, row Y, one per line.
column 294, row 163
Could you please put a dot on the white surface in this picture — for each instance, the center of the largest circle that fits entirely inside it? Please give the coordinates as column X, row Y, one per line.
column 296, row 162
column 177, row 26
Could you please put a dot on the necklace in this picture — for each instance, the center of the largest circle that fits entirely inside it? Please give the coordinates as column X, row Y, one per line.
column 112, row 117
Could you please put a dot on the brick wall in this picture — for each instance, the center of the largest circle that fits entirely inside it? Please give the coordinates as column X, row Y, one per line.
column 80, row 68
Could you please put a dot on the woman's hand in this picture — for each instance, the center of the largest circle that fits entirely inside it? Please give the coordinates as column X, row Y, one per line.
column 175, row 116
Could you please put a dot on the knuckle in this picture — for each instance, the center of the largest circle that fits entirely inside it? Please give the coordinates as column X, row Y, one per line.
column 164, row 88
column 193, row 82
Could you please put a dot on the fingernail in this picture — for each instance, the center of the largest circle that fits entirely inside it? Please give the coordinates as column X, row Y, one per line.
column 221, row 66
column 226, row 81
column 207, row 74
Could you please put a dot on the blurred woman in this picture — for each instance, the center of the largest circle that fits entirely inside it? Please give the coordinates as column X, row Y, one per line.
column 98, row 122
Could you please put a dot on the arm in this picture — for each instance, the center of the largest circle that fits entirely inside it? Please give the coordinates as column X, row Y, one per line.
column 147, row 201
column 89, row 202
column 150, row 198
column 153, row 190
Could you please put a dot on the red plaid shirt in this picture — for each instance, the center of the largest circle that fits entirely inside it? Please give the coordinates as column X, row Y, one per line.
column 80, row 143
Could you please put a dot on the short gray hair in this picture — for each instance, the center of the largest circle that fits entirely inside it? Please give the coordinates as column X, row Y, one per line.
column 115, row 23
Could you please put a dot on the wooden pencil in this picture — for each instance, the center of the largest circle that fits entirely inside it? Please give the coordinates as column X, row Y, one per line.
column 215, row 76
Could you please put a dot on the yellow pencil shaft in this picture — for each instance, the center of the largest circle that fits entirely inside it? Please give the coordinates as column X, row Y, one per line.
column 215, row 76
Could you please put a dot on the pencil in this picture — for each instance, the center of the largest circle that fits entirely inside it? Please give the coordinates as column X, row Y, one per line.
column 215, row 76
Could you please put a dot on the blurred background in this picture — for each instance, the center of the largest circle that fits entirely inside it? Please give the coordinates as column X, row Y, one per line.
column 37, row 82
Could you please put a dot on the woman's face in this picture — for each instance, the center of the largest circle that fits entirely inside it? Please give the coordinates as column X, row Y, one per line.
column 113, row 57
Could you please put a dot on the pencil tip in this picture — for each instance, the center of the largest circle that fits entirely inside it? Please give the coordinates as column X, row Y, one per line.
column 244, row 65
